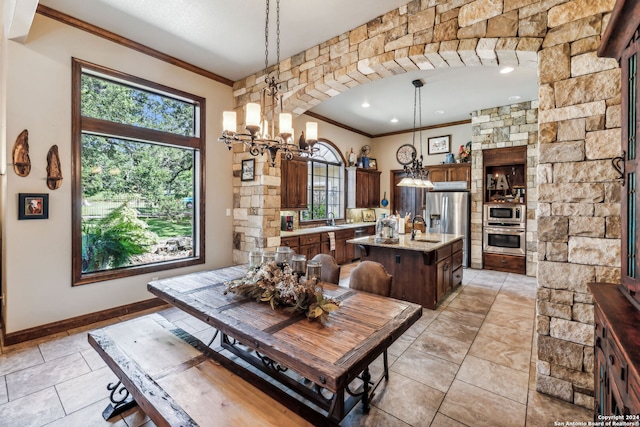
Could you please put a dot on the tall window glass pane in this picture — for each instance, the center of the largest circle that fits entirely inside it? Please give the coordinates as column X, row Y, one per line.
column 325, row 185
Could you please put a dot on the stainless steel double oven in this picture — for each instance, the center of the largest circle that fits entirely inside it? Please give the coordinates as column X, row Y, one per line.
column 503, row 230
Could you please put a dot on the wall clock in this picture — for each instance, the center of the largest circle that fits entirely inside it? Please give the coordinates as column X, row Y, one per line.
column 406, row 154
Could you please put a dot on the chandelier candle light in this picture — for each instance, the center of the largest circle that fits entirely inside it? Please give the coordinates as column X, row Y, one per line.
column 261, row 132
column 417, row 175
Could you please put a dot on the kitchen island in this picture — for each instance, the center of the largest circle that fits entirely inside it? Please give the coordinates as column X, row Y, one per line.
column 424, row 270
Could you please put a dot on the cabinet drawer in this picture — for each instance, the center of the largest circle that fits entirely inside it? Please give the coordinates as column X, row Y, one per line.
column 619, row 369
column 344, row 234
column 308, row 239
column 456, row 260
column 292, row 242
column 456, row 277
column 508, row 263
column 457, row 246
column 443, row 253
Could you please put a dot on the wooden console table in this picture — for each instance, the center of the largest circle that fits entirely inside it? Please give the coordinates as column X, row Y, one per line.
column 327, row 359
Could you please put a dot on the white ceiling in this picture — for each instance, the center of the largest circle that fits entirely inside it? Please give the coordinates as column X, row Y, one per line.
column 226, row 37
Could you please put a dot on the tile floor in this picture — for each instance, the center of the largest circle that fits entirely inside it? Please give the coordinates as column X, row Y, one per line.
column 471, row 362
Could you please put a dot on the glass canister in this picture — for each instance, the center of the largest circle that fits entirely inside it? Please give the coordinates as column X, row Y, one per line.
column 283, row 255
column 268, row 256
column 387, row 230
column 255, row 258
column 298, row 264
column 314, row 268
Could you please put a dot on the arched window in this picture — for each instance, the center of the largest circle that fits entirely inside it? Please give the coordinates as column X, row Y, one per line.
column 325, row 184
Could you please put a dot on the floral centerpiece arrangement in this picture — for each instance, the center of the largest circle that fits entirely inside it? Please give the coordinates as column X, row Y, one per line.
column 281, row 287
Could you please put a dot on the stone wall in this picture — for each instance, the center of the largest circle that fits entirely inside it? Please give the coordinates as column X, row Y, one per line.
column 499, row 127
column 579, row 119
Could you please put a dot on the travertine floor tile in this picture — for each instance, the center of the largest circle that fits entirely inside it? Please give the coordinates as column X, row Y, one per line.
column 498, row 379
column 93, row 359
column 18, row 360
column 375, row 418
column 36, row 409
column 86, row 389
column 3, row 390
column 500, row 353
column 511, row 336
column 511, row 320
column 429, row 370
column 27, row 381
column 64, row 346
column 440, row 346
column 477, row 407
column 89, row 416
column 444, row 421
column 408, row 400
column 448, row 327
column 469, row 305
column 544, row 410
column 464, row 317
column 400, row 345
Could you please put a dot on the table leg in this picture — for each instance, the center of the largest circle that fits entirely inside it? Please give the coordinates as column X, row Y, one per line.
column 366, row 377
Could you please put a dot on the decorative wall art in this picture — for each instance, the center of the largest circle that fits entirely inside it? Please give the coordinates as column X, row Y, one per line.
column 33, row 206
column 439, row 144
column 54, row 171
column 373, row 164
column 368, row 215
column 247, row 173
column 21, row 160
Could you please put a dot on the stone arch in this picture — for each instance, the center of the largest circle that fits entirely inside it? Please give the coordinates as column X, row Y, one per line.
column 578, row 134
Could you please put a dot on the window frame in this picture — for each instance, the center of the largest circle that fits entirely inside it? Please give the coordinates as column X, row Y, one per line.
column 99, row 126
column 343, row 177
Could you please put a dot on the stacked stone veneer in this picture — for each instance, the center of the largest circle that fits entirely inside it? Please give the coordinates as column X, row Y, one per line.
column 499, row 127
column 578, row 117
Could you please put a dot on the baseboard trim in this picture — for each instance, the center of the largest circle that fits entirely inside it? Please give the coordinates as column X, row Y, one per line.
column 76, row 322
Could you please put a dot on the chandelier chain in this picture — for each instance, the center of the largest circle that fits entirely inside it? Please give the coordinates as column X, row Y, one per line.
column 266, row 40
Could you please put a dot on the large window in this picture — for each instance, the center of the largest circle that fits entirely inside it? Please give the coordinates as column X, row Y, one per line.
column 325, row 185
column 138, row 159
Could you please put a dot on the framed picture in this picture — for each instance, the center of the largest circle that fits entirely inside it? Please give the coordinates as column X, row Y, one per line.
column 247, row 173
column 440, row 144
column 368, row 215
column 33, row 206
column 373, row 164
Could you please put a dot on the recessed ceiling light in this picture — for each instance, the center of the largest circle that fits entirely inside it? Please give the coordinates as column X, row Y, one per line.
column 365, row 104
column 438, row 112
column 394, row 120
column 506, row 70
column 514, row 97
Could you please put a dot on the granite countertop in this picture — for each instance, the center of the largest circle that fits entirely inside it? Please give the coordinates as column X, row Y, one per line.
column 325, row 228
column 424, row 242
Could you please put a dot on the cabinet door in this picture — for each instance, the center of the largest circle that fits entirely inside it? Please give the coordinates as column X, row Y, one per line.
column 362, row 189
column 461, row 172
column 438, row 174
column 294, row 184
column 443, row 278
column 374, row 190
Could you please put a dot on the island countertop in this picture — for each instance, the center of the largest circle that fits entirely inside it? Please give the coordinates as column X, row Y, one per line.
column 424, row 242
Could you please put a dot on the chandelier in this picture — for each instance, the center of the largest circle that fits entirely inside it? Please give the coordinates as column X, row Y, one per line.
column 417, row 175
column 260, row 132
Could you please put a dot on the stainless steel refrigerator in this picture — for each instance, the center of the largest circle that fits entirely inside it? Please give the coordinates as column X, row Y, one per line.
column 450, row 212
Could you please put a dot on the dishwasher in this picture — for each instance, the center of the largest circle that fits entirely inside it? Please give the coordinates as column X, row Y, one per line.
column 359, row 232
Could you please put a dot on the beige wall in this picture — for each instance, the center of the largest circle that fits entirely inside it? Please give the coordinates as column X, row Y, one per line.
column 37, row 254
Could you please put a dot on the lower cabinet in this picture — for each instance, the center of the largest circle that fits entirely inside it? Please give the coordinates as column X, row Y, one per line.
column 310, row 245
column 617, row 359
column 508, row 263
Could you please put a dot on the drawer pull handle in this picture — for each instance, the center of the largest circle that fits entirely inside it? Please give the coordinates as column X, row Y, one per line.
column 611, row 359
column 598, row 343
column 503, row 261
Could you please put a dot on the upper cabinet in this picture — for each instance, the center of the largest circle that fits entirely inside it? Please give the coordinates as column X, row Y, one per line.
column 505, row 176
column 450, row 172
column 294, row 175
column 363, row 188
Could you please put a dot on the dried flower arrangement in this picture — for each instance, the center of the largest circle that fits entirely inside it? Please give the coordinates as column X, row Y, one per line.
column 280, row 287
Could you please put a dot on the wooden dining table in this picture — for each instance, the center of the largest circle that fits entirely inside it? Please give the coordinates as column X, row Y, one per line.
column 324, row 363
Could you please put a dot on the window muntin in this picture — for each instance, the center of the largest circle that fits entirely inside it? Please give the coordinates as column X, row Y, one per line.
column 139, row 149
column 325, row 185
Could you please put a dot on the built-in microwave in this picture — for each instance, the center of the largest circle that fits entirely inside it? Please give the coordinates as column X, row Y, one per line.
column 505, row 214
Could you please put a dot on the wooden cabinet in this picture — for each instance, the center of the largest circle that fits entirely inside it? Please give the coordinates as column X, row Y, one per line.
column 424, row 278
column 367, row 188
column 509, row 263
column 294, row 175
column 505, row 174
column 292, row 241
column 344, row 251
column 451, row 172
column 617, row 355
column 310, row 245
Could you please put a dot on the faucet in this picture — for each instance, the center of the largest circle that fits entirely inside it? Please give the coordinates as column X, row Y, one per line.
column 413, row 225
column 331, row 219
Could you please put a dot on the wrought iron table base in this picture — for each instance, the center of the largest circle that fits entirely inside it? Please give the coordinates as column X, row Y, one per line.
column 118, row 405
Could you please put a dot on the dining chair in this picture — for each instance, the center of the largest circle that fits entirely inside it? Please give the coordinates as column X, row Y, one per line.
column 330, row 270
column 372, row 277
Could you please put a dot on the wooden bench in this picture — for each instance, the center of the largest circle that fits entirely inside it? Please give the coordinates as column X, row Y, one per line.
column 178, row 381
